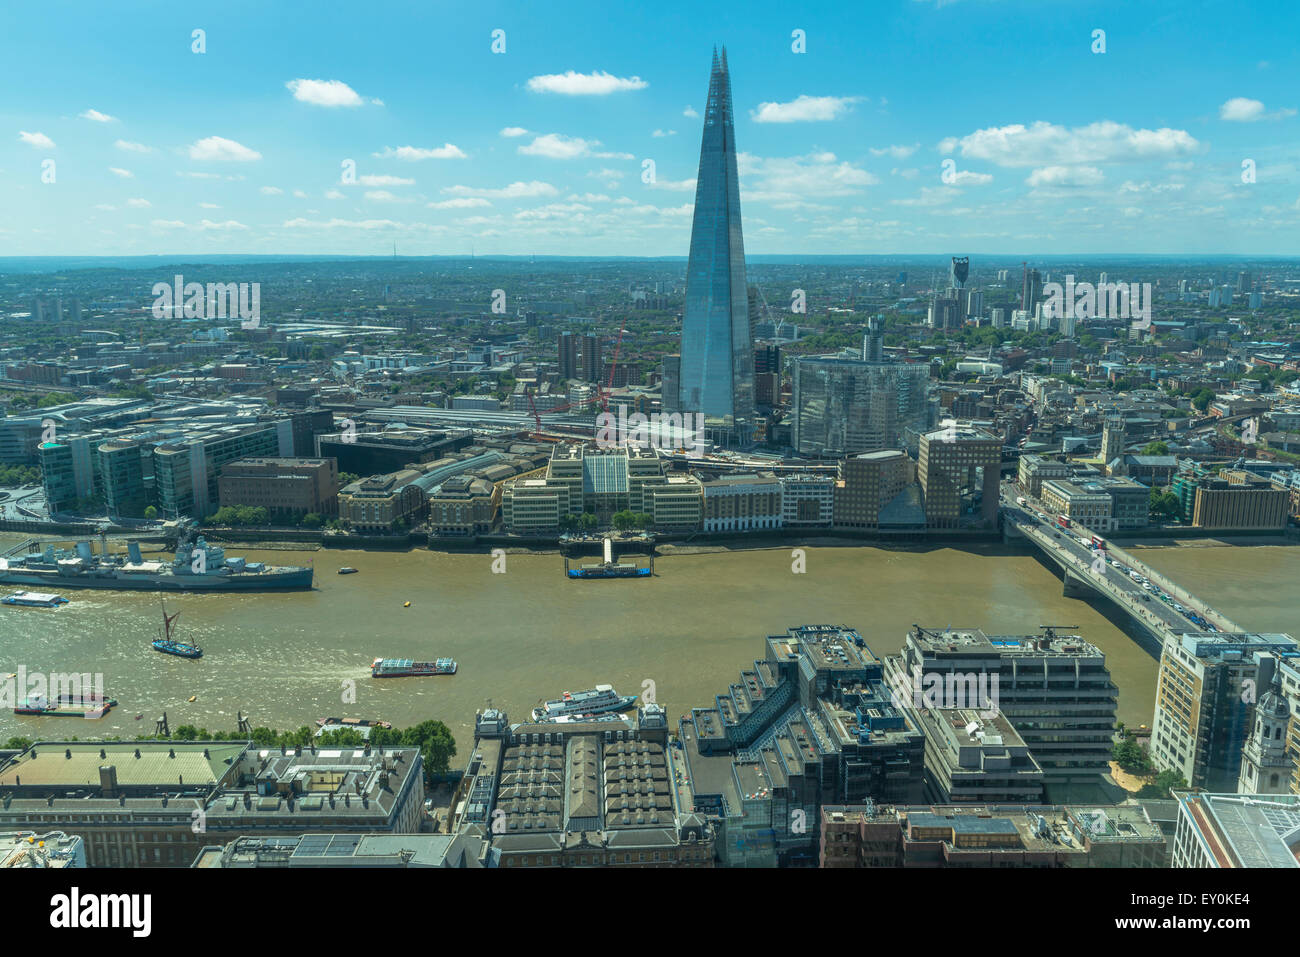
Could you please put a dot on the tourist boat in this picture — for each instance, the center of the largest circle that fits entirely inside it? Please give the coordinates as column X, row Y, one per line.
column 169, row 645
column 34, row 599
column 67, row 706
column 347, row 570
column 353, row 723
column 406, row 668
column 599, row 700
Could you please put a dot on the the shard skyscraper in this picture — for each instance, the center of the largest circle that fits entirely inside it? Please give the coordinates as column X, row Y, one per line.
column 717, row 352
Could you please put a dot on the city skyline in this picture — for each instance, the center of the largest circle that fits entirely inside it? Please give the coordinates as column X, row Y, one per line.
column 542, row 148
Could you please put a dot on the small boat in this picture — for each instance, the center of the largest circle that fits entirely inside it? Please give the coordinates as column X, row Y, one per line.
column 406, row 668
column 192, row 698
column 67, row 706
column 34, row 599
column 169, row 645
column 139, row 716
column 353, row 723
column 347, row 570
column 585, row 704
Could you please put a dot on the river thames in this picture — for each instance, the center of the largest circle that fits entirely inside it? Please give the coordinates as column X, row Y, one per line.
column 286, row 659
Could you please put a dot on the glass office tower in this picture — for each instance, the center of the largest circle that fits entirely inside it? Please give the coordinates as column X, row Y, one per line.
column 717, row 360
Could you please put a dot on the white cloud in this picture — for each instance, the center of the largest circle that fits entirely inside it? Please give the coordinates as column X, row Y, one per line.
column 219, row 148
column 1240, row 109
column 118, row 171
column 897, row 152
column 271, row 191
column 511, row 131
column 657, row 134
column 327, row 93
column 1046, row 144
column 139, row 203
column 676, row 186
column 97, row 116
column 464, row 202
column 518, row 190
column 558, row 146
column 105, row 206
column 228, row 224
column 584, row 84
column 804, row 109
column 208, row 206
column 299, row 194
column 39, row 140
column 1066, row 176
column 966, row 177
column 341, row 224
column 795, row 179
column 690, row 113
column 130, row 147
column 167, row 224
column 384, row 180
column 413, row 153
column 334, row 194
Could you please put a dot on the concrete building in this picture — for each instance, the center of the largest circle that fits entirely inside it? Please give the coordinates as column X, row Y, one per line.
column 346, row 850
column 741, row 503
column 807, row 500
column 581, row 479
column 1086, row 504
column 974, row 756
column 1055, row 690
column 876, row 488
column 463, row 506
column 1205, row 702
column 288, row 488
column 376, row 453
column 812, row 722
column 1240, row 500
column 960, row 468
column 583, row 794
column 384, row 503
column 1237, row 830
column 54, row 850
column 990, row 835
column 158, row 803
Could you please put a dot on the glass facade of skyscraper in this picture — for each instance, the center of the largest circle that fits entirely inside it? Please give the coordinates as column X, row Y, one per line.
column 844, row 406
column 717, row 362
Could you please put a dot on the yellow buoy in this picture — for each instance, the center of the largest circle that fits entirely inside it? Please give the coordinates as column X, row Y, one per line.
column 192, row 697
column 407, row 605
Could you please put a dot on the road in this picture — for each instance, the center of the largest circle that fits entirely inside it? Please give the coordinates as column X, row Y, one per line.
column 1147, row 597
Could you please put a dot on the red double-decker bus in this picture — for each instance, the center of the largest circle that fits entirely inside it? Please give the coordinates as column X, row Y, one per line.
column 1063, row 521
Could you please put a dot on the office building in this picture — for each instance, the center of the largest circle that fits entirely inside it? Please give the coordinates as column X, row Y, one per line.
column 1205, row 702
column 288, row 488
column 878, row 490
column 1055, row 690
column 742, row 503
column 960, row 468
column 582, row 794
column 1237, row 830
column 158, row 803
column 812, row 722
column 717, row 360
column 845, row 406
column 346, row 850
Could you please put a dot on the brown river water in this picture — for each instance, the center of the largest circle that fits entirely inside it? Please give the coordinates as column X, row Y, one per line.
column 286, row 659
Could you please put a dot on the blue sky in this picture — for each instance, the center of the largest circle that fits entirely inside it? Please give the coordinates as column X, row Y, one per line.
column 907, row 126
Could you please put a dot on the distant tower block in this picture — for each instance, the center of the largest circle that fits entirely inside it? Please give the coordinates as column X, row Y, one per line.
column 960, row 270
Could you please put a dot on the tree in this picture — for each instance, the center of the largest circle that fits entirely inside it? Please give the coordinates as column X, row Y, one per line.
column 151, row 512
column 311, row 520
column 1165, row 782
column 1131, row 757
column 1155, row 448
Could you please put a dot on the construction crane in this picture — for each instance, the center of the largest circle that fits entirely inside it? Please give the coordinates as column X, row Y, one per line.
column 602, row 395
